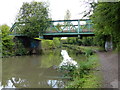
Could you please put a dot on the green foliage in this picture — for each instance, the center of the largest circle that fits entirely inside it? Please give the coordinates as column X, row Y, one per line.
column 19, row 48
column 47, row 44
column 71, row 40
column 88, row 52
column 7, row 41
column 86, row 41
column 51, row 44
column 106, row 22
column 82, row 49
column 84, row 76
column 56, row 41
column 35, row 16
column 67, row 70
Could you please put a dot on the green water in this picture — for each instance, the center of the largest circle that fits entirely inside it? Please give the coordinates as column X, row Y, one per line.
column 36, row 71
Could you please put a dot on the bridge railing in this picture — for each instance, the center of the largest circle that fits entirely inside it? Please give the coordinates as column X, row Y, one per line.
column 59, row 26
column 65, row 26
column 16, row 28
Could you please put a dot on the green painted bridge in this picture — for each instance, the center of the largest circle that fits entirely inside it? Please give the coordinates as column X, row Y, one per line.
column 61, row 28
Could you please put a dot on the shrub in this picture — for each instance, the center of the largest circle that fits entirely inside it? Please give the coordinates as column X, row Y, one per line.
column 7, row 41
column 48, row 44
column 56, row 42
column 19, row 48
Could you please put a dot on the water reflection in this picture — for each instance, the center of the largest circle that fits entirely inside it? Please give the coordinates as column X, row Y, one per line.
column 56, row 83
column 67, row 60
column 35, row 71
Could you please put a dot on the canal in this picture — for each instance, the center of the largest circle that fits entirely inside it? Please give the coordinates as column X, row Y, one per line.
column 38, row 71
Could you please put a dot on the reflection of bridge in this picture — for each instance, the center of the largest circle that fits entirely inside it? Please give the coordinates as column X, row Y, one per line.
column 62, row 28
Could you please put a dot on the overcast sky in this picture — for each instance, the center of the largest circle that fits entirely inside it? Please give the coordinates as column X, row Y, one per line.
column 10, row 8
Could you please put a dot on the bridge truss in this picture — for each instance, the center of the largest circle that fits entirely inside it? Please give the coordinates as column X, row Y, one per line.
column 61, row 28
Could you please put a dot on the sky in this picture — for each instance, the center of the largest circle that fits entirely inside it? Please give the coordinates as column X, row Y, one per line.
column 57, row 8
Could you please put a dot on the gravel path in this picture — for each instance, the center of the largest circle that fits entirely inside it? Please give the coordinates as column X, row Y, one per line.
column 109, row 69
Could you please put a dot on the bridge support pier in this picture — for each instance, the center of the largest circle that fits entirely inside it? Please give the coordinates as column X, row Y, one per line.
column 35, row 47
column 26, row 45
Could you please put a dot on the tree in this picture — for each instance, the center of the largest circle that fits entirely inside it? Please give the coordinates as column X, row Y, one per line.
column 88, row 6
column 34, row 15
column 106, row 22
column 7, row 41
column 67, row 15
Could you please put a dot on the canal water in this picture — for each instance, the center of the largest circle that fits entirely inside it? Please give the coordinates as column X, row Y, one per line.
column 38, row 71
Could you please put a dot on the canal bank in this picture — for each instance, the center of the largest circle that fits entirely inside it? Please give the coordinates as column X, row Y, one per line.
column 21, row 46
column 87, row 75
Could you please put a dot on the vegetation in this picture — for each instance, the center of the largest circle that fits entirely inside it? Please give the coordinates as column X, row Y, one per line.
column 32, row 21
column 87, row 50
column 33, row 17
column 7, row 41
column 85, row 41
column 19, row 48
column 67, row 15
column 10, row 46
column 106, row 22
column 51, row 44
column 85, row 75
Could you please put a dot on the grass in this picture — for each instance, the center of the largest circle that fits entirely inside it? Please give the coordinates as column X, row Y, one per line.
column 83, row 48
column 86, row 75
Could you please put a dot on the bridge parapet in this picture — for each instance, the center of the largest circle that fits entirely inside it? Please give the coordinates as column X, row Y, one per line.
column 67, row 26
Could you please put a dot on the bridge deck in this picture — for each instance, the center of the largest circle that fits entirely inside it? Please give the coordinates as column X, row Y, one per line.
column 69, row 33
column 51, row 35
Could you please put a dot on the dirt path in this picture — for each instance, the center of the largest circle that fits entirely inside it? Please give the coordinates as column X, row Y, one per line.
column 109, row 69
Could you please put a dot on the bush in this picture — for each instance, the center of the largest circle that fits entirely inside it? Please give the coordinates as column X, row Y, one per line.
column 86, row 41
column 7, row 41
column 56, row 42
column 47, row 44
column 67, row 70
column 88, row 52
column 51, row 44
column 19, row 48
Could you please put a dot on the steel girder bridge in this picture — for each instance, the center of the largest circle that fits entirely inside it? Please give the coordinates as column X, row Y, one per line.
column 61, row 28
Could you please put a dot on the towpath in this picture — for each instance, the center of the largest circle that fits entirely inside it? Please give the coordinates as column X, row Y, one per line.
column 109, row 69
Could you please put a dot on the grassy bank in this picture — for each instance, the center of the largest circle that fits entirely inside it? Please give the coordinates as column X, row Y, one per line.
column 87, row 50
column 50, row 44
column 86, row 75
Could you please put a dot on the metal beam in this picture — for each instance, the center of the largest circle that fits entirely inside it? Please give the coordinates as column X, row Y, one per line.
column 69, row 20
column 68, row 33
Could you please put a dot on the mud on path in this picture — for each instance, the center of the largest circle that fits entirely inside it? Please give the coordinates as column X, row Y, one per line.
column 109, row 69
